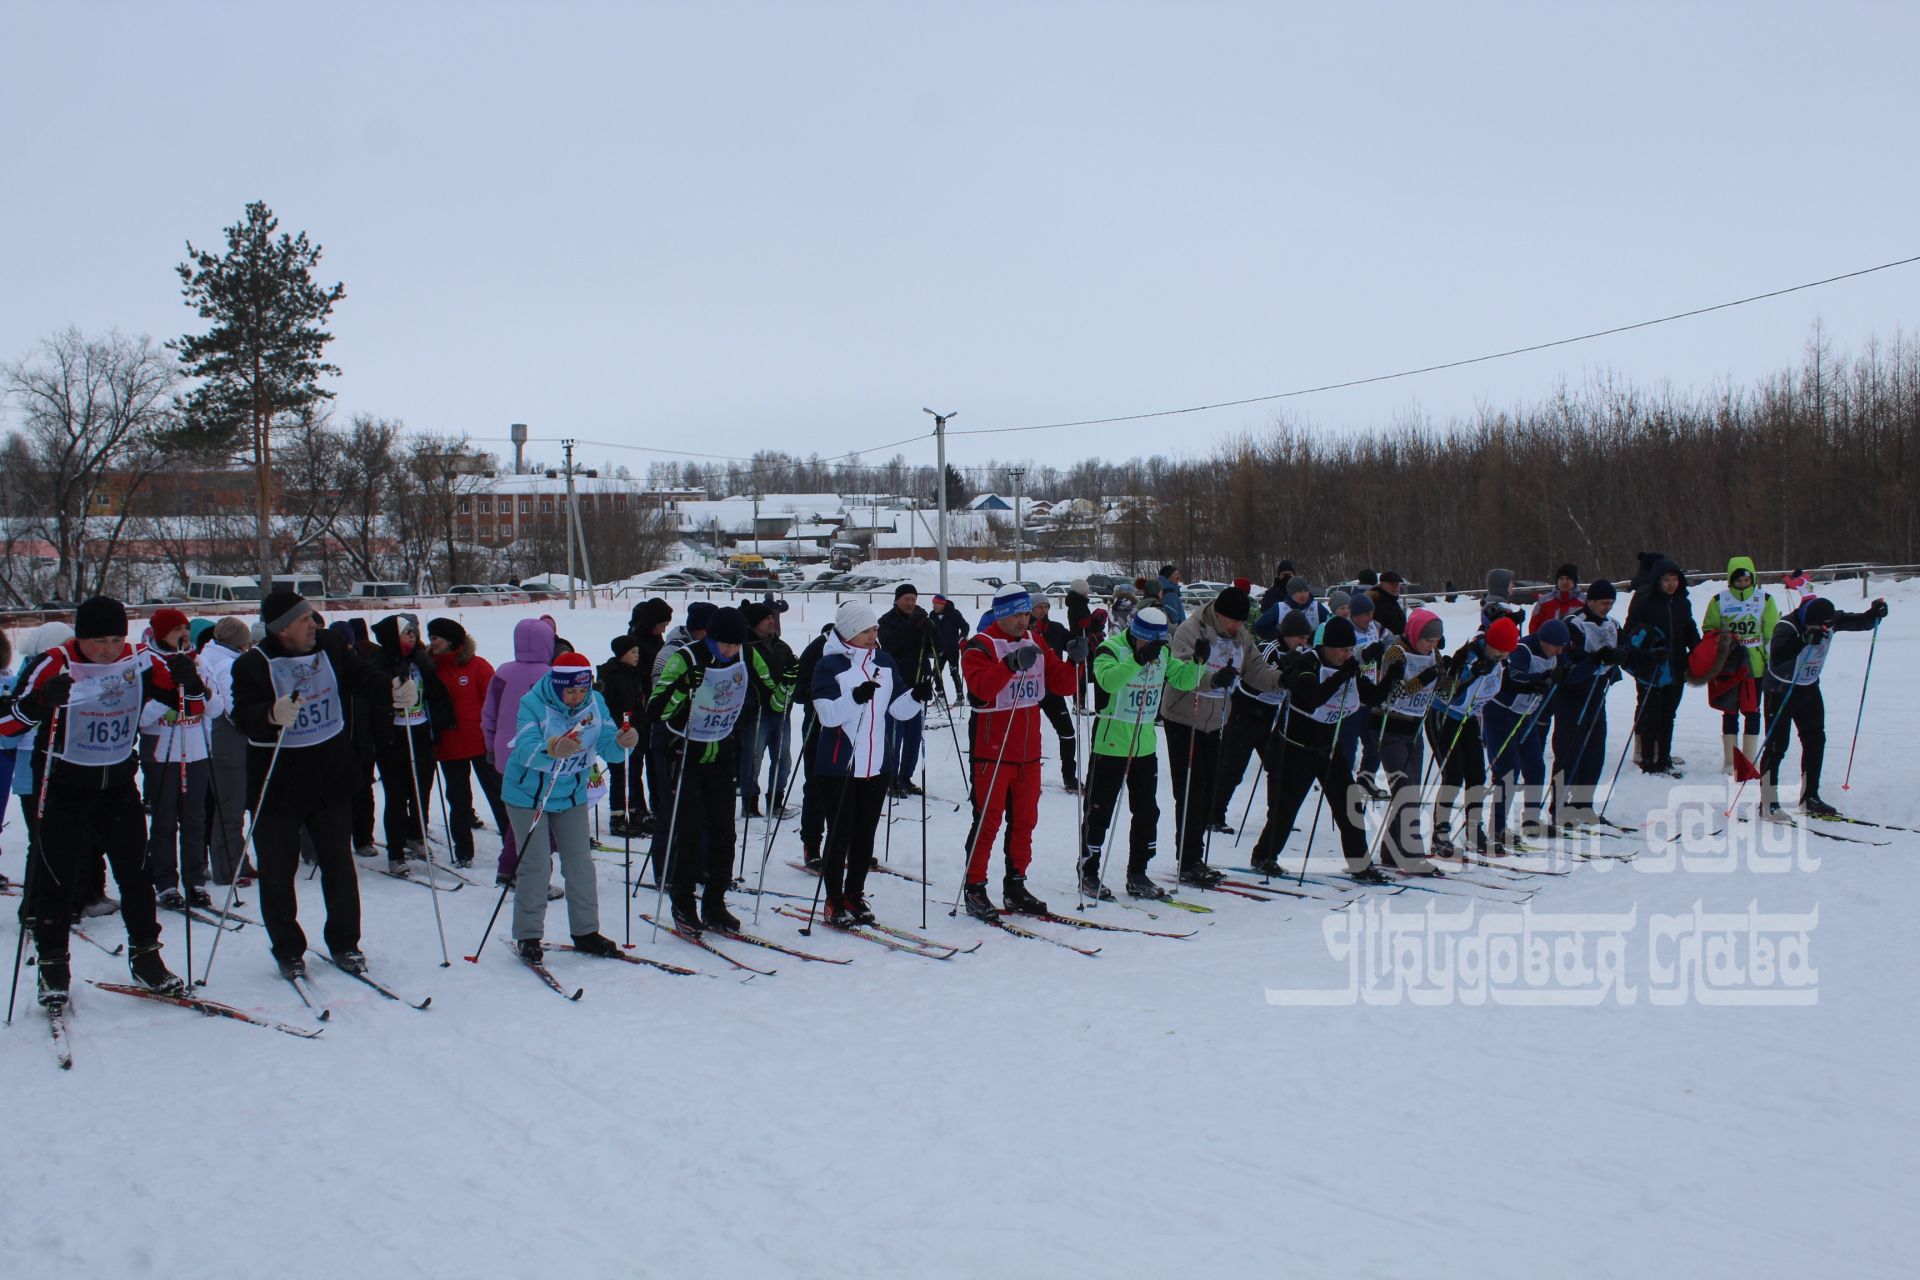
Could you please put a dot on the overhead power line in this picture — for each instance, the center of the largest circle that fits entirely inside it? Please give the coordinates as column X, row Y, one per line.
column 1448, row 364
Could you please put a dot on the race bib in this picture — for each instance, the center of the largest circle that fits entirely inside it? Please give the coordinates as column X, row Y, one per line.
column 417, row 713
column 102, row 714
column 1743, row 617
column 1413, row 702
column 581, row 725
column 1343, row 703
column 1812, row 659
column 717, row 703
column 1222, row 654
column 1028, row 687
column 320, row 716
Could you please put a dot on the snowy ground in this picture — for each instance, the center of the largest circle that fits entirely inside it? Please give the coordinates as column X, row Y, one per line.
column 1028, row 1111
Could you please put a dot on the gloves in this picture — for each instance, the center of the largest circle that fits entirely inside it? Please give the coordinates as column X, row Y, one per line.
column 404, row 692
column 564, row 746
column 1879, row 609
column 1558, row 673
column 790, row 669
column 1350, row 668
column 1428, row 676
column 1482, row 665
column 41, row 702
column 286, row 709
column 186, row 675
column 1224, row 678
column 863, row 693
column 923, row 692
column 1077, row 650
column 1604, row 655
column 1021, row 659
column 628, row 738
column 1373, row 652
column 1149, row 653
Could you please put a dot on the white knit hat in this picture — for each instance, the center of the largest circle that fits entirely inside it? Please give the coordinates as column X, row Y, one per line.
column 854, row 617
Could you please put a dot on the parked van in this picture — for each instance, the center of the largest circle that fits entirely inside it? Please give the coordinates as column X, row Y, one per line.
column 213, row 588
column 381, row 590
column 310, row 585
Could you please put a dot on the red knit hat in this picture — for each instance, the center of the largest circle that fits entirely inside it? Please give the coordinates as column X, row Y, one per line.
column 1503, row 635
column 1245, row 584
column 166, row 621
column 572, row 671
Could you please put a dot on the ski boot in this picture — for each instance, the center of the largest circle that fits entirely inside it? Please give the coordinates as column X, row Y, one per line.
column 366, row 851
column 1199, row 875
column 716, row 916
column 1814, row 807
column 811, row 857
column 1219, row 827
column 555, row 892
column 199, row 897
column 1013, row 891
column 595, row 944
column 1141, row 885
column 644, row 828
column 102, row 906
column 840, row 915
column 462, row 863
column 293, row 968
column 617, row 824
column 53, row 982
column 1071, row 783
column 686, row 918
column 1267, row 865
column 473, row 820
column 977, row 903
column 351, row 960
column 1090, row 886
column 856, row 905
column 171, row 899
column 398, row 867
column 417, row 850
column 152, row 973
column 1370, row 875
column 530, row 949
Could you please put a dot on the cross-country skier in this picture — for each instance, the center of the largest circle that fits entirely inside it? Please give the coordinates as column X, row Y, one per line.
column 173, row 765
column 1514, row 722
column 1796, row 656
column 1747, row 614
column 1453, row 730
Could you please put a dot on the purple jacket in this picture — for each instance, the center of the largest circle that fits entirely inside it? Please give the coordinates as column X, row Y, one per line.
column 532, row 659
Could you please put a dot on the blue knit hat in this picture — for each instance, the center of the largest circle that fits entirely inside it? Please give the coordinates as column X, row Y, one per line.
column 1011, row 599
column 1148, row 625
column 1554, row 632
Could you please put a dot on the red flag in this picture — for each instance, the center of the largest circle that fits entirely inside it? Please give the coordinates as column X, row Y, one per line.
column 1743, row 768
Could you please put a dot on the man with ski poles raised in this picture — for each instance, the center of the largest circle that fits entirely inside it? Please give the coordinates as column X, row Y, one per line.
column 1795, row 658
column 1131, row 669
column 1515, row 725
column 1007, row 676
column 1592, row 659
column 90, row 692
column 291, row 697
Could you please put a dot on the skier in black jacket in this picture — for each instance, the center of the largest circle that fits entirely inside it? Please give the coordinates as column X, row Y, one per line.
column 1795, row 657
column 813, row 815
column 290, row 697
column 403, row 739
column 950, row 631
column 1660, row 625
column 624, row 684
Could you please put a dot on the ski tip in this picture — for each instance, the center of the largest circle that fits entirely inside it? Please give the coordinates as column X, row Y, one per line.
column 326, row 1015
column 578, row 993
column 471, row 959
column 424, row 1003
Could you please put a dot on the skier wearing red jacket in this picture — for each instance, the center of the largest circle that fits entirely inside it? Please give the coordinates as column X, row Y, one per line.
column 1563, row 603
column 90, row 692
column 1007, row 675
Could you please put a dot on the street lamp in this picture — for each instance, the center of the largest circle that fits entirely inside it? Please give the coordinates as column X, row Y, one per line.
column 940, row 485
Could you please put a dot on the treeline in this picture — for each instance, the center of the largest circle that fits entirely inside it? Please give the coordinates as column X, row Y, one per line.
column 1815, row 465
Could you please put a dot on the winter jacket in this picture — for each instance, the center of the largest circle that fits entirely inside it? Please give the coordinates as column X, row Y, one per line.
column 908, row 640
column 430, row 696
column 1199, row 639
column 1006, row 720
column 852, row 738
column 1792, row 660
column 771, row 671
column 1170, row 601
column 309, row 775
column 1320, row 698
column 1080, row 615
column 1267, row 625
column 1557, row 605
column 1127, row 696
column 1388, row 612
column 1529, row 679
column 676, row 638
column 466, row 677
column 216, row 668
column 178, row 724
column 1594, row 648
column 535, row 779
column 646, row 616
column 1748, row 612
column 1657, row 621
column 950, row 631
column 624, row 689
column 532, row 660
column 121, row 696
column 676, row 689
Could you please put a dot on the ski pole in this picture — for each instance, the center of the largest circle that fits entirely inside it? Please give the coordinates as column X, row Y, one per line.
column 1633, row 734
column 246, row 842
column 28, row 902
column 1847, row 783
column 980, row 801
column 836, row 839
column 626, row 851
column 1126, row 772
column 420, row 821
column 180, row 818
column 780, row 814
column 673, row 823
column 1248, row 810
column 1766, row 739
column 1333, row 758
column 520, row 844
column 966, row 774
column 925, row 751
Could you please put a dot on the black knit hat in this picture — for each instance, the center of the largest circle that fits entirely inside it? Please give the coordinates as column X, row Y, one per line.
column 281, row 607
column 1569, row 571
column 755, row 613
column 1337, row 633
column 449, row 630
column 1294, row 623
column 727, row 627
column 1233, row 603
column 905, row 589
column 1602, row 589
column 100, row 618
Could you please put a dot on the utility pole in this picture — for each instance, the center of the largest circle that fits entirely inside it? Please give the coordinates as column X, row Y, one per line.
column 940, row 421
column 1019, row 532
column 575, row 534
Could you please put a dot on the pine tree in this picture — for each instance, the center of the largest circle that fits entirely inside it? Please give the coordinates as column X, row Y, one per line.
column 262, row 357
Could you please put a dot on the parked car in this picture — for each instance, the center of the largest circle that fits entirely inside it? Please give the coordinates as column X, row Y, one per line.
column 381, row 590
column 757, row 586
column 487, row 592
column 218, row 588
column 310, row 585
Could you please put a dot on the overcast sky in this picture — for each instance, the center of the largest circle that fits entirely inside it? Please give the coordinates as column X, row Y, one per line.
column 722, row 227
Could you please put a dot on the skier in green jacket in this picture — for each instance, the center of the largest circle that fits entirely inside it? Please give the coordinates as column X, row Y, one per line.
column 1744, row 610
column 1130, row 671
